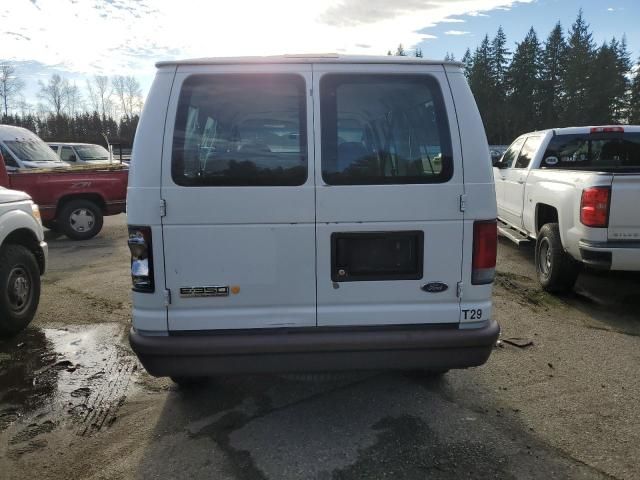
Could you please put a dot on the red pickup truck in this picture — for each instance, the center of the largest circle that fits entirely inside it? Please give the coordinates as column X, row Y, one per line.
column 72, row 200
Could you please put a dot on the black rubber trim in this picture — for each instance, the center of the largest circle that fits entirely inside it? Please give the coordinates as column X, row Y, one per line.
column 302, row 351
column 597, row 259
column 322, row 329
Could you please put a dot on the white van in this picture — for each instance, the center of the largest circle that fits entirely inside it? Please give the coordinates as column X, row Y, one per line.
column 304, row 213
column 22, row 149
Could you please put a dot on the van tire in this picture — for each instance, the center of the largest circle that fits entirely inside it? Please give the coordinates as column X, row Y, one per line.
column 80, row 219
column 19, row 288
column 435, row 373
column 557, row 270
column 189, row 382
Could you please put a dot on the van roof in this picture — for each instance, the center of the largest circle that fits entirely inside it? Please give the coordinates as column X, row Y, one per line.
column 10, row 132
column 308, row 58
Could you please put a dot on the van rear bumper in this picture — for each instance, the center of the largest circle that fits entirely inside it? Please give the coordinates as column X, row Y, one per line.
column 307, row 350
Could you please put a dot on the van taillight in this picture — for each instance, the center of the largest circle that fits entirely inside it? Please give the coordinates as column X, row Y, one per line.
column 485, row 247
column 141, row 259
column 594, row 207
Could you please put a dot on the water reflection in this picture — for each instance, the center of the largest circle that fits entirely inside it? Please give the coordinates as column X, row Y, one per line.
column 28, row 374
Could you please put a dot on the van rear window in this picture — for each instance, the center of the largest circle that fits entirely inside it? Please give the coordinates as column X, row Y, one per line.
column 384, row 129
column 608, row 152
column 240, row 130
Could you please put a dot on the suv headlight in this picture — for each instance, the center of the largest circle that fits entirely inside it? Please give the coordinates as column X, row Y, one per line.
column 35, row 211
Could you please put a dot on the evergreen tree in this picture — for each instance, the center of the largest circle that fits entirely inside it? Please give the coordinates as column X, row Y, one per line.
column 576, row 75
column 551, row 75
column 499, row 60
column 499, row 57
column 602, row 90
column 400, row 51
column 483, row 88
column 523, row 85
column 467, row 60
column 634, row 109
column 622, row 80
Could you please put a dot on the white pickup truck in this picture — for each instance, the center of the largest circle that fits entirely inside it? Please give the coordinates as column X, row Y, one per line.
column 576, row 193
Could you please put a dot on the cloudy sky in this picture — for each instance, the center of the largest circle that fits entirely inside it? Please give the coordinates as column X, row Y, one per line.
column 84, row 37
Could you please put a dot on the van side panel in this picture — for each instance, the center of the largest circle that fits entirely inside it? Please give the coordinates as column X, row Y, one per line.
column 149, row 314
column 479, row 190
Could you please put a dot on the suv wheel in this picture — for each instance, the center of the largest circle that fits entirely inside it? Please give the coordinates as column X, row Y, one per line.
column 80, row 219
column 19, row 288
column 50, row 224
column 557, row 270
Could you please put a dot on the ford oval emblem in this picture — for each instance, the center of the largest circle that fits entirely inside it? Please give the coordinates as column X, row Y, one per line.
column 435, row 287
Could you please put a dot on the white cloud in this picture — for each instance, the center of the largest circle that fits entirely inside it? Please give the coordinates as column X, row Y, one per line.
column 128, row 36
column 610, row 9
column 456, row 32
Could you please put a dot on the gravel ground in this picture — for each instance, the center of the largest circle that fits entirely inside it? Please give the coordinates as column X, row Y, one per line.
column 558, row 398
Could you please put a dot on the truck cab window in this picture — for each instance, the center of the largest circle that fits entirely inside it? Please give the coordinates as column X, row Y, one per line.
column 510, row 156
column 604, row 152
column 528, row 151
column 67, row 154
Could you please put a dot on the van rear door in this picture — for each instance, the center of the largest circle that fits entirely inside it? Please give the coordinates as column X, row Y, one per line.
column 237, row 179
column 389, row 220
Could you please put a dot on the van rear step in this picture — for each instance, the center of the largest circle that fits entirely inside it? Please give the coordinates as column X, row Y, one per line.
column 516, row 236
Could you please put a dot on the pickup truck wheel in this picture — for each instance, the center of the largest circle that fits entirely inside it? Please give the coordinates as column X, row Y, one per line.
column 557, row 270
column 80, row 219
column 19, row 288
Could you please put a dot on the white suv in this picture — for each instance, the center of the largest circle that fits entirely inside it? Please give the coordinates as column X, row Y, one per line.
column 311, row 213
column 23, row 258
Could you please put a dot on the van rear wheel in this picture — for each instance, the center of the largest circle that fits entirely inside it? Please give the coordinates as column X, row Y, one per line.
column 557, row 270
column 189, row 382
column 80, row 219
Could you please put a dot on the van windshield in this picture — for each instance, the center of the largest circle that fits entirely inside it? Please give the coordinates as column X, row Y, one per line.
column 92, row 152
column 32, row 151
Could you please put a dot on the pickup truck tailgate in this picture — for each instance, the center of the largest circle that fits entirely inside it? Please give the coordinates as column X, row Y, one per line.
column 624, row 214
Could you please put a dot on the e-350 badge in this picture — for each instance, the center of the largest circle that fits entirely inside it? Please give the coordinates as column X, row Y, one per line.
column 190, row 292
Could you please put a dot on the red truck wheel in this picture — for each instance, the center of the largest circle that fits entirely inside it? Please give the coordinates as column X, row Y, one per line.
column 80, row 219
column 19, row 288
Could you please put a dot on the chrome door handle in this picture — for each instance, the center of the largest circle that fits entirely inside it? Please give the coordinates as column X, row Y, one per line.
column 520, row 181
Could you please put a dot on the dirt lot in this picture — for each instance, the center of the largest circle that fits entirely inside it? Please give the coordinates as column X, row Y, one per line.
column 74, row 402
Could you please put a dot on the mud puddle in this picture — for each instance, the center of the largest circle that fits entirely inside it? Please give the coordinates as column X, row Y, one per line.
column 75, row 377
